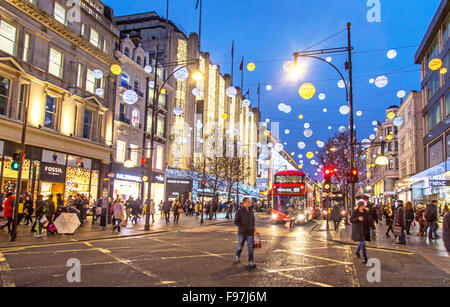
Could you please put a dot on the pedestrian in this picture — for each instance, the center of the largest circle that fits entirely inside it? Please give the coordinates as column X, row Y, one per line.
column 8, row 210
column 446, row 209
column 117, row 214
column 160, row 205
column 41, row 210
column 134, row 211
column 229, row 209
column 28, row 210
column 152, row 210
column 446, row 231
column 420, row 218
column 215, row 208
column 245, row 220
column 50, row 209
column 177, row 209
column 431, row 219
column 336, row 216
column 166, row 207
column 197, row 210
column 389, row 217
column 400, row 221
column 104, row 212
column 373, row 216
column 409, row 215
column 361, row 225
column 291, row 213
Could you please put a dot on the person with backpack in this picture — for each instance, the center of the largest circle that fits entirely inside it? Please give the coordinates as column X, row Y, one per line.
column 431, row 218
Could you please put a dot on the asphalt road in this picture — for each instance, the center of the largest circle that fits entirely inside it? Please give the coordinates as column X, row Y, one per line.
column 204, row 256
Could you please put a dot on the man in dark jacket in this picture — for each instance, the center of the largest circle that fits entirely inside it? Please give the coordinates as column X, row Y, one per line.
column 361, row 225
column 336, row 216
column 166, row 209
column 50, row 209
column 245, row 220
column 400, row 220
column 446, row 231
column 431, row 217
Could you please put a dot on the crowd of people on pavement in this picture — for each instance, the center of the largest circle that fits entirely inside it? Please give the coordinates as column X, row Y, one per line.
column 398, row 218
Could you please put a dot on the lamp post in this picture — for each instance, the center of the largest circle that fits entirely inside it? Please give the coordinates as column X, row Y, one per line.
column 348, row 89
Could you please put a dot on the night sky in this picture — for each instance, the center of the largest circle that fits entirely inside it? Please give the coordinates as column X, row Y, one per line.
column 267, row 32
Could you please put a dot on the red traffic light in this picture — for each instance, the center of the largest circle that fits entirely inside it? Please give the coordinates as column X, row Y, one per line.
column 142, row 160
column 203, row 182
column 355, row 172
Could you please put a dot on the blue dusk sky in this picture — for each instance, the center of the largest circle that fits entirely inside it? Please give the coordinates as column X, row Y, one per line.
column 267, row 32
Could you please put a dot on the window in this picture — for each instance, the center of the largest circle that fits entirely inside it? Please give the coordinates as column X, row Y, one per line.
column 120, row 152
column 55, row 63
column 105, row 46
column 434, row 117
column 126, row 51
column 90, row 81
column 22, row 99
column 8, row 34
column 80, row 75
column 138, row 60
column 136, row 86
column 391, row 164
column 87, row 124
column 433, row 52
column 159, row 158
column 125, row 81
column 161, row 127
column 447, row 64
column 447, row 104
column 396, row 146
column 396, row 163
column 432, row 85
column 436, row 154
column 149, row 123
column 162, row 100
column 134, row 154
column 83, row 29
column 60, row 13
column 50, row 112
column 135, row 118
column 94, row 38
column 4, row 94
column 26, row 48
column 446, row 31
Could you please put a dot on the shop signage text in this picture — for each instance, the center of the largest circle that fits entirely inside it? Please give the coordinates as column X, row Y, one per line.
column 128, row 177
column 52, row 172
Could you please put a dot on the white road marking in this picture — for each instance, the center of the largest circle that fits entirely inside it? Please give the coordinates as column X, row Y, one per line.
column 5, row 272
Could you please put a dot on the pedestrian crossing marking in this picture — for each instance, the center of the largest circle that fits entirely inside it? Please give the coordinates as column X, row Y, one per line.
column 5, row 272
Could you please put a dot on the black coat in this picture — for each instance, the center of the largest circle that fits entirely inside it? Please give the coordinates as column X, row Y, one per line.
column 245, row 220
column 361, row 230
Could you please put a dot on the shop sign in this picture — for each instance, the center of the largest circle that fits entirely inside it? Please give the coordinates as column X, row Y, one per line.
column 128, row 177
column 179, row 185
column 438, row 183
column 179, row 181
column 158, row 178
column 52, row 172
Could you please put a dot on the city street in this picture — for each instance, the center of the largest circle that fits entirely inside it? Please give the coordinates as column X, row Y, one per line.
column 204, row 256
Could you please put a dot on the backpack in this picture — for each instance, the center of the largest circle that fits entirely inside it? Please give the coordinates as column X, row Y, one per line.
column 51, row 228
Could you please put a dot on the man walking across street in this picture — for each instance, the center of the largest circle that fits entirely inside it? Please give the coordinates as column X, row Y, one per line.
column 166, row 209
column 245, row 220
column 336, row 216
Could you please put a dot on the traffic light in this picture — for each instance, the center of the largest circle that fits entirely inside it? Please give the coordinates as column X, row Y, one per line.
column 328, row 172
column 354, row 175
column 15, row 162
column 203, row 183
column 142, row 160
column 326, row 186
column 144, row 178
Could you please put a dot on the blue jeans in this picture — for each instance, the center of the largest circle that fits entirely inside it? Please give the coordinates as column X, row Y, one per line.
column 402, row 238
column 431, row 229
column 242, row 239
column 362, row 246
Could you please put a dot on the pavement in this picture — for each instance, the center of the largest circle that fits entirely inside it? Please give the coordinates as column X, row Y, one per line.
column 414, row 243
column 94, row 232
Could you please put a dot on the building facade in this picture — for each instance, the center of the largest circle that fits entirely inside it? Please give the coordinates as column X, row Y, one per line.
column 432, row 182
column 383, row 178
column 55, row 71
column 410, row 138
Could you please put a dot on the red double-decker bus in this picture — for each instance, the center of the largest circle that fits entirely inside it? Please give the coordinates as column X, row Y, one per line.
column 294, row 188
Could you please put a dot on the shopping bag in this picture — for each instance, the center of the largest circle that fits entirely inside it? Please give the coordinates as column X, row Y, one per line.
column 257, row 240
column 287, row 224
column 43, row 220
column 123, row 223
column 398, row 230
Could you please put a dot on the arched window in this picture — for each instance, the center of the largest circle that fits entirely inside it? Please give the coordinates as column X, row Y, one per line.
column 126, row 51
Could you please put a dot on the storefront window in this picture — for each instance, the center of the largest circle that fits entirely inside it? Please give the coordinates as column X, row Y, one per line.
column 436, row 154
column 77, row 181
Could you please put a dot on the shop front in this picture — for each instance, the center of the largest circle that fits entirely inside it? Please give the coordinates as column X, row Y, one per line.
column 48, row 172
column 432, row 184
column 179, row 188
column 126, row 186
column 158, row 188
